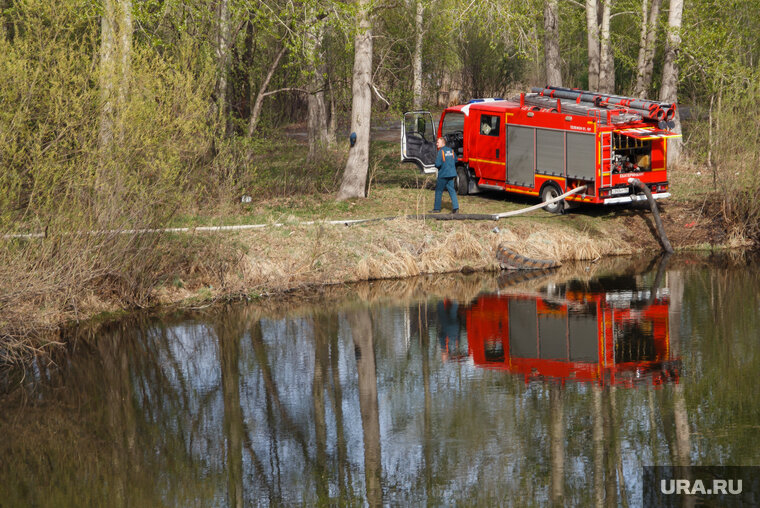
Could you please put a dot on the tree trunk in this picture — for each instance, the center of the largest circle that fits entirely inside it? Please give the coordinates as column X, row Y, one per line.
column 642, row 47
column 669, row 91
column 229, row 357
column 597, row 440
column 258, row 102
column 355, row 175
column 427, row 432
column 592, row 29
column 332, row 126
column 360, row 322
column 116, row 405
column 125, row 49
column 344, row 468
column 317, row 114
column 606, row 63
column 645, row 63
column 222, row 57
column 551, row 44
column 115, row 64
column 319, row 384
column 557, row 438
column 115, row 58
column 417, row 57
column 710, row 140
column 108, row 58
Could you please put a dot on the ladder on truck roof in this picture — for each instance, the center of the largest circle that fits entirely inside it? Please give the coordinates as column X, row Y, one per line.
column 605, row 162
column 604, row 115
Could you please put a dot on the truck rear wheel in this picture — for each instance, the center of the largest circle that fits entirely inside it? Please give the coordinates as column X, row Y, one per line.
column 550, row 191
column 463, row 181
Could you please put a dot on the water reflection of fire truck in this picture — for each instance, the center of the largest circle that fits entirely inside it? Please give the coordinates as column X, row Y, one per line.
column 617, row 338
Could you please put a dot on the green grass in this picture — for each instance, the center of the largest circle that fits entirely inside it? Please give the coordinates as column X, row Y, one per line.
column 394, row 189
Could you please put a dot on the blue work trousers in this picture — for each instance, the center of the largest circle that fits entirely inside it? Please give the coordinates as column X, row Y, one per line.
column 448, row 184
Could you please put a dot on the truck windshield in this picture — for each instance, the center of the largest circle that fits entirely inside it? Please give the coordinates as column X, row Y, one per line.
column 452, row 122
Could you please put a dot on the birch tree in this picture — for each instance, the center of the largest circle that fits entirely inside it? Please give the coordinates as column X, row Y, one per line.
column 551, row 44
column 222, row 53
column 645, row 62
column 606, row 63
column 592, row 30
column 360, row 322
column 332, row 125
column 115, row 58
column 355, row 174
column 317, row 113
column 417, row 56
column 669, row 90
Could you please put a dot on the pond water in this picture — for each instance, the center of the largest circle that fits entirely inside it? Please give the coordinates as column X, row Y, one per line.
column 521, row 389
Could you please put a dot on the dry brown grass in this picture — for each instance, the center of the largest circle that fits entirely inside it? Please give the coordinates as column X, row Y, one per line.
column 48, row 282
column 297, row 256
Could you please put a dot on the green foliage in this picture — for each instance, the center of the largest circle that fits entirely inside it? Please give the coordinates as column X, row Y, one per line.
column 49, row 135
column 736, row 154
column 170, row 153
column 49, row 101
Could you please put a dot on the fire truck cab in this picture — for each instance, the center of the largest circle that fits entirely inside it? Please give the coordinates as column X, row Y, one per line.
column 548, row 142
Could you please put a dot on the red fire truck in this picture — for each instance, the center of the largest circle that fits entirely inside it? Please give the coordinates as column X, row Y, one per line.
column 548, row 142
column 605, row 337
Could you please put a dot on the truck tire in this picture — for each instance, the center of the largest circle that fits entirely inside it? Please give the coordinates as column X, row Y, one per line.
column 549, row 191
column 463, row 181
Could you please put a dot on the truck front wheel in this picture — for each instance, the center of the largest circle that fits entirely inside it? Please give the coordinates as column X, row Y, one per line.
column 462, row 181
column 551, row 191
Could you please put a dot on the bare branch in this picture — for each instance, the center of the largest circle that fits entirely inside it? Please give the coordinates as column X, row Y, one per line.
column 378, row 94
column 622, row 12
column 577, row 4
column 285, row 90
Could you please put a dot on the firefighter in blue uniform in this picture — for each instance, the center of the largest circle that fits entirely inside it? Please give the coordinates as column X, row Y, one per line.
column 445, row 161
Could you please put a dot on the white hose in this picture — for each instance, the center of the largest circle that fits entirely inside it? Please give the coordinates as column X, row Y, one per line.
column 243, row 227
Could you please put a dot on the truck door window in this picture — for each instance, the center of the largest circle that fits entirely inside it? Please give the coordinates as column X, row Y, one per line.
column 452, row 130
column 490, row 125
column 453, row 123
column 418, row 127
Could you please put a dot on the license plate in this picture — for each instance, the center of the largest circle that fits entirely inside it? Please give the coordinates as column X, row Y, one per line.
column 622, row 190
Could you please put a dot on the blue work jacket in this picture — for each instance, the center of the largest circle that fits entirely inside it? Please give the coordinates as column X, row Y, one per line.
column 445, row 161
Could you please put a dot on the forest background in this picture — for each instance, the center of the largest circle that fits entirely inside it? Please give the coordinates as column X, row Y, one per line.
column 130, row 113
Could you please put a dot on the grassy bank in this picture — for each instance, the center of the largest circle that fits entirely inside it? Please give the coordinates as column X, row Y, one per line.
column 67, row 276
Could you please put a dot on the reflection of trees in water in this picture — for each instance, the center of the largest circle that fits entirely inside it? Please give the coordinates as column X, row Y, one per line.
column 339, row 408
column 228, row 337
column 364, row 342
column 225, row 410
column 721, row 306
column 92, row 431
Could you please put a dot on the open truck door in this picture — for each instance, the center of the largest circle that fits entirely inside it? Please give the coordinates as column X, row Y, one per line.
column 418, row 140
